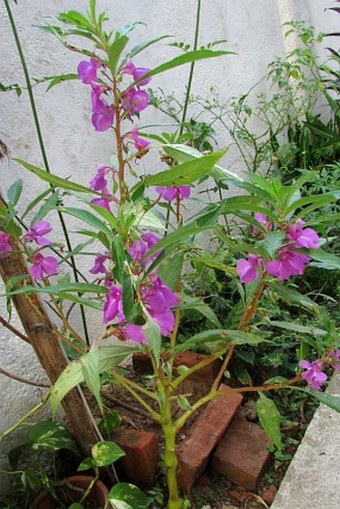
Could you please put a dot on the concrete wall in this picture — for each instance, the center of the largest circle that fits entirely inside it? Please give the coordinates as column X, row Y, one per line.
column 253, row 29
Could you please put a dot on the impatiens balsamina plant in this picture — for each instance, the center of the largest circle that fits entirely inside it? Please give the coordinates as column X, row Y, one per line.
column 136, row 225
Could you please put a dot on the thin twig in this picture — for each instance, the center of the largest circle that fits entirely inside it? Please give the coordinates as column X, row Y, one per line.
column 23, row 380
column 13, row 329
column 125, row 405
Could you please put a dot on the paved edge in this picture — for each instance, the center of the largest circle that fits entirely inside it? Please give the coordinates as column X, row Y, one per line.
column 313, row 477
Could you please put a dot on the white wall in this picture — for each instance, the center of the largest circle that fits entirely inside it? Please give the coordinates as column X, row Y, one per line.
column 253, row 29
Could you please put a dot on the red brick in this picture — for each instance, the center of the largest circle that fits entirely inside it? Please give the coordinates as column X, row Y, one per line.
column 269, row 494
column 141, row 363
column 207, row 374
column 242, row 454
column 193, row 455
column 142, row 455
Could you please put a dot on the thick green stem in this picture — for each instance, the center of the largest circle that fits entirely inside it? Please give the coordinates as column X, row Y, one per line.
column 169, row 433
column 43, row 153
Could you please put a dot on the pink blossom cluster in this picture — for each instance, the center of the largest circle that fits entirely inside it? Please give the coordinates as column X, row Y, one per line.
column 313, row 374
column 289, row 261
column 133, row 100
column 99, row 183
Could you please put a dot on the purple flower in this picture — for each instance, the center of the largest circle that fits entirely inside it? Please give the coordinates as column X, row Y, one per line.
column 136, row 333
column 102, row 115
column 99, row 267
column 103, row 201
column 135, row 100
column 262, row 219
column 159, row 298
column 37, row 232
column 334, row 356
column 247, row 269
column 136, row 72
column 5, row 246
column 140, row 247
column 313, row 374
column 87, row 71
column 99, row 182
column 169, row 193
column 43, row 264
column 289, row 263
column 114, row 305
column 140, row 143
column 307, row 237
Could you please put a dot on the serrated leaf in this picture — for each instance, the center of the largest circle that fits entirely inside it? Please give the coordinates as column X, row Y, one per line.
column 270, row 419
column 324, row 260
column 127, row 496
column 105, row 453
column 89, row 218
column 296, row 327
column 293, row 297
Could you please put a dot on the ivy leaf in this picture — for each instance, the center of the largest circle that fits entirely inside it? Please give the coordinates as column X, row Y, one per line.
column 127, row 496
column 105, row 453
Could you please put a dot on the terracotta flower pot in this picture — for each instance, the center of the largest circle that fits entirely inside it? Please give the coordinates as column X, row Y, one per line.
column 71, row 490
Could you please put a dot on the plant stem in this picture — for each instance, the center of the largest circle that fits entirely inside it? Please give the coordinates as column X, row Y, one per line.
column 169, row 433
column 192, row 67
column 24, row 418
column 21, row 379
column 13, row 329
column 43, row 152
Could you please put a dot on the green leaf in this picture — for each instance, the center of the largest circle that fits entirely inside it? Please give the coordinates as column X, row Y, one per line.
column 60, row 79
column 115, row 51
column 60, row 288
column 86, row 464
column 14, row 193
column 109, row 422
column 293, row 297
column 53, row 179
column 89, row 218
column 141, row 47
column 153, row 333
column 91, row 372
column 272, row 243
column 183, row 402
column 303, row 329
column 127, row 496
column 50, row 204
column 270, row 419
column 108, row 357
column 184, row 153
column 224, row 336
column 35, row 202
column 190, row 56
column 105, row 453
column 325, row 260
column 188, row 302
column 314, row 202
column 170, row 268
column 94, row 304
column 186, row 173
column 76, row 505
column 75, row 18
column 50, row 435
column 327, row 399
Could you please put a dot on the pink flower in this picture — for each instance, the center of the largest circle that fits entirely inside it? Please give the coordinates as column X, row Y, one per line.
column 135, row 100
column 99, row 182
column 289, row 263
column 37, row 232
column 99, row 266
column 334, row 356
column 159, row 298
column 114, row 305
column 136, row 72
column 103, row 201
column 140, row 247
column 43, row 264
column 140, row 143
column 169, row 193
column 307, row 237
column 313, row 374
column 87, row 71
column 5, row 246
column 136, row 333
column 247, row 269
column 262, row 219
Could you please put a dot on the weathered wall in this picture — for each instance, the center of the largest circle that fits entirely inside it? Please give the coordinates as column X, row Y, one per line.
column 253, row 29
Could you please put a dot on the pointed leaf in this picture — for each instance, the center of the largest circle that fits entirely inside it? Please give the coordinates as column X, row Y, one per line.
column 60, row 288
column 53, row 179
column 105, row 453
column 60, row 79
column 270, row 419
column 141, row 47
column 127, row 496
column 91, row 372
column 327, row 399
column 325, row 260
column 89, row 218
column 115, row 51
column 14, row 193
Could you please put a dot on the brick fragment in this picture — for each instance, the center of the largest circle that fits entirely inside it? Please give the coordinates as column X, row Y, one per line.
column 207, row 431
column 140, row 464
column 269, row 494
column 242, row 454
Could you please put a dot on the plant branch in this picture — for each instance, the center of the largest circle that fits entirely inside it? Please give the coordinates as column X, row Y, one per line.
column 13, row 329
column 23, row 380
